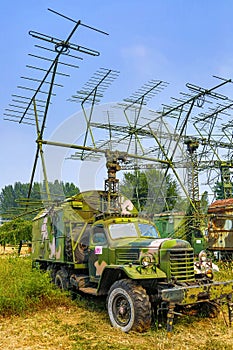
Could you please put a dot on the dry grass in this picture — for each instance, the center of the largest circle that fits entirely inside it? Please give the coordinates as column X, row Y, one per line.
column 57, row 322
column 84, row 325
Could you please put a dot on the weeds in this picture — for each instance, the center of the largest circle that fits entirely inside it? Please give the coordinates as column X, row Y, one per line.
column 83, row 324
column 23, row 289
column 225, row 271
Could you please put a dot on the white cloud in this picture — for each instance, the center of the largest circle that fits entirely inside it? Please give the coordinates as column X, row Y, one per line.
column 146, row 61
column 136, row 51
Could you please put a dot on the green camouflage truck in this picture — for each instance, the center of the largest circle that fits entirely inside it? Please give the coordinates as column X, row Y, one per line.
column 96, row 244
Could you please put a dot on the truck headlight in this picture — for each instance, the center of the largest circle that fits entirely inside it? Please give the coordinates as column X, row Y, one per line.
column 146, row 261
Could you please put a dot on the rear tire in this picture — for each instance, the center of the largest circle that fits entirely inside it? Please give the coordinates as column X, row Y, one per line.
column 61, row 280
column 52, row 273
column 129, row 307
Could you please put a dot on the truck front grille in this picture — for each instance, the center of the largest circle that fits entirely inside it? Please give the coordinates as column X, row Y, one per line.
column 127, row 257
column 182, row 265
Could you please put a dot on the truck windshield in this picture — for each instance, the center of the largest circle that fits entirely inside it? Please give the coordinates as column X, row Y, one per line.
column 148, row 230
column 123, row 230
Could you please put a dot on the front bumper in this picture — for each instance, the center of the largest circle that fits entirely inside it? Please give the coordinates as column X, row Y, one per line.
column 185, row 295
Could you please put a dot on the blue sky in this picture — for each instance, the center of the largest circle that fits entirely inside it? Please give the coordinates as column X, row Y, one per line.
column 177, row 41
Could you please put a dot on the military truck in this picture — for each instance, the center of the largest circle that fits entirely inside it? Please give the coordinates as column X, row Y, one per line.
column 98, row 244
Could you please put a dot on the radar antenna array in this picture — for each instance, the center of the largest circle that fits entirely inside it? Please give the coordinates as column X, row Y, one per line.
column 146, row 138
column 38, row 100
column 90, row 95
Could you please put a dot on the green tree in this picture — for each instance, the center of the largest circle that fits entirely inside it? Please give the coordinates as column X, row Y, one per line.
column 7, row 198
column 59, row 190
column 135, row 187
column 218, row 190
column 223, row 191
column 204, row 203
column 13, row 198
column 172, row 193
column 14, row 231
column 70, row 189
column 150, row 191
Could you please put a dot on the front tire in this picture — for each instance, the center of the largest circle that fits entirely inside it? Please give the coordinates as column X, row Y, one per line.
column 129, row 307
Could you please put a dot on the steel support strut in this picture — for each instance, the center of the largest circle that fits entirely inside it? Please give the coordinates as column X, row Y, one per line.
column 170, row 318
column 230, row 312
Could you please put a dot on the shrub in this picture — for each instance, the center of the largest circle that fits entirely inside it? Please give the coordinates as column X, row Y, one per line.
column 225, row 271
column 23, row 289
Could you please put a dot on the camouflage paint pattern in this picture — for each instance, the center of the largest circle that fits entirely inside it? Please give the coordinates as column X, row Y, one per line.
column 61, row 226
column 54, row 227
column 81, row 234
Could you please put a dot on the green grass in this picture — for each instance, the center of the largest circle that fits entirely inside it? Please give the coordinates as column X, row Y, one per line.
column 225, row 271
column 33, row 312
column 23, row 289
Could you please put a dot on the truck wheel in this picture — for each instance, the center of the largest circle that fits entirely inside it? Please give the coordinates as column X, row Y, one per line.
column 61, row 280
column 129, row 307
column 52, row 273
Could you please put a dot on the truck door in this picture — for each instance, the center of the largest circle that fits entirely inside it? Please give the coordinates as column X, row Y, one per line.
column 98, row 252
